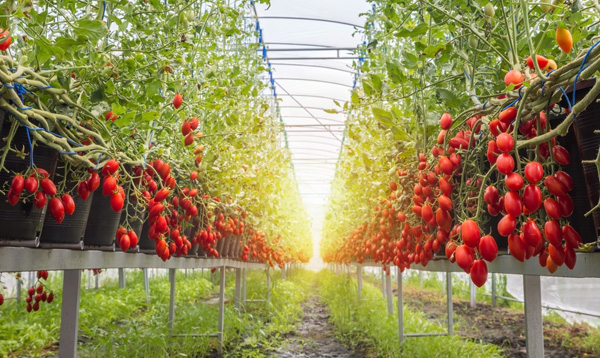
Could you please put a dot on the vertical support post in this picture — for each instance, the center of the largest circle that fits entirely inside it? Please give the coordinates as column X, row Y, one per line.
column 390, row 298
column 238, row 288
column 30, row 279
column 97, row 279
column 283, row 273
column 449, row 303
column 244, row 285
column 383, row 282
column 69, row 319
column 146, row 285
column 269, row 284
column 172, row 298
column 89, row 280
column 534, row 332
column 472, row 298
column 400, row 308
column 494, row 290
column 121, row 278
column 18, row 287
column 359, row 279
column 221, row 310
column 185, row 274
column 420, row 280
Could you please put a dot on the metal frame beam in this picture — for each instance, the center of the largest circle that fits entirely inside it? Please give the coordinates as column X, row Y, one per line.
column 307, row 19
column 310, row 65
column 312, row 80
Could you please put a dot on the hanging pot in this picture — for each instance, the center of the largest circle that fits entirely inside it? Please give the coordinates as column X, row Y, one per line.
column 582, row 143
column 21, row 225
column 102, row 225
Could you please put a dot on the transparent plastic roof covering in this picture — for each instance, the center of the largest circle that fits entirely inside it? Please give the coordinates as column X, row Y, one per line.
column 310, row 46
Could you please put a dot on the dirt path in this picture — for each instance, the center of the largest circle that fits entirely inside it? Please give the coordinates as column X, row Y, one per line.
column 314, row 337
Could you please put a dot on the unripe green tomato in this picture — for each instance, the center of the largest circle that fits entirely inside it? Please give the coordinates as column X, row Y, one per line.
column 190, row 15
column 546, row 5
column 473, row 41
column 489, row 9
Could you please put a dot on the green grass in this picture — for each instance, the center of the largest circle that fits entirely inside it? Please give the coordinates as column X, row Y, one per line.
column 366, row 323
column 117, row 322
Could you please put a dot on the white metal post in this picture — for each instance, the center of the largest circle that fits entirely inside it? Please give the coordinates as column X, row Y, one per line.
column 18, row 289
column 449, row 303
column 359, row 279
column 243, row 285
column 268, row 285
column 221, row 310
column 421, row 280
column 89, row 280
column 121, row 278
column 400, row 309
column 238, row 288
column 283, row 273
column 146, row 285
column 383, row 282
column 172, row 298
column 493, row 290
column 472, row 298
column 390, row 298
column 69, row 321
column 533, row 316
column 97, row 279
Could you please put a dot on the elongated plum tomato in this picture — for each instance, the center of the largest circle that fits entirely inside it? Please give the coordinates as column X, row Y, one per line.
column 514, row 181
column 534, row 172
column 505, row 163
column 564, row 40
column 564, row 178
column 561, row 155
column 110, row 167
column 488, row 248
column 505, row 142
column 507, row 225
column 552, row 208
column 491, row 195
column 541, row 61
column 513, row 204
column 177, row 101
column 68, row 203
column 515, row 77
column 446, row 121
column 470, row 233
column 6, row 43
column 555, row 186
column 57, row 209
column 508, row 115
column 532, row 197
column 553, row 232
column 517, row 247
column 572, row 237
column 531, row 233
column 464, row 256
column 479, row 273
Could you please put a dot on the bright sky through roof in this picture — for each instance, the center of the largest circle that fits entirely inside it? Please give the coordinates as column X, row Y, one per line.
column 310, row 47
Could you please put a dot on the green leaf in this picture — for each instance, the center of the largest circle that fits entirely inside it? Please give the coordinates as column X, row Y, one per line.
column 45, row 51
column 447, row 95
column 433, row 50
column 97, row 95
column 383, row 116
column 93, row 30
column 394, row 72
column 150, row 116
column 399, row 134
column 333, row 111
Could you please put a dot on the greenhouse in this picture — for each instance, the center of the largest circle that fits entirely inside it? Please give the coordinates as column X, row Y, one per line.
column 279, row 178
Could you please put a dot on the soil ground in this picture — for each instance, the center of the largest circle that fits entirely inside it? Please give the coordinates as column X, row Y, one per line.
column 500, row 326
column 314, row 337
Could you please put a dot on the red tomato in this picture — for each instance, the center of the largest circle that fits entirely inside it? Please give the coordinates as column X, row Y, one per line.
column 552, row 208
column 40, row 199
column 93, row 182
column 491, row 195
column 57, row 209
column 110, row 167
column 464, row 256
column 514, row 181
column 513, row 204
column 116, row 202
column 82, row 190
column 470, row 233
column 505, row 142
column 531, row 233
column 564, row 178
column 515, row 77
column 479, row 273
column 492, row 152
column 555, row 186
column 534, row 172
column 505, row 163
column 446, row 165
column 445, row 186
column 445, row 202
column 517, row 247
column 17, row 184
column 161, row 195
column 6, row 43
column 571, row 236
column 488, row 248
column 541, row 61
column 507, row 225
column 570, row 257
column 557, row 253
column 508, row 115
column 446, row 121
column 553, row 232
column 532, row 198
column 177, row 101
column 561, row 155
column 48, row 187
column 68, row 203
column 31, row 184
column 449, row 250
column 125, row 242
column 109, row 185
column 427, row 213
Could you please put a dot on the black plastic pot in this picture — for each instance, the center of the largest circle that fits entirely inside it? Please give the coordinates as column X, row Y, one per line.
column 582, row 143
column 22, row 224
column 102, row 224
column 72, row 230
column 145, row 244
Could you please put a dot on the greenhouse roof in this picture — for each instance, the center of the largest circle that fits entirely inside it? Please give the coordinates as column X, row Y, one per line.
column 311, row 48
